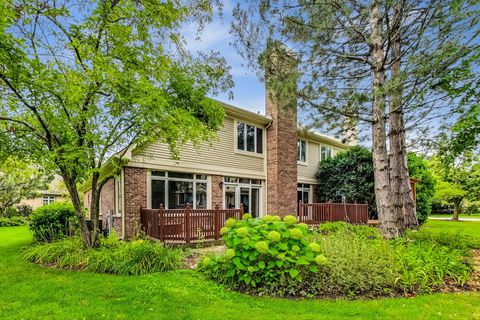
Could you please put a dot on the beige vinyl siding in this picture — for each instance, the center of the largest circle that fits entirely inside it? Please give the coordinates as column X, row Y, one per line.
column 217, row 157
column 306, row 172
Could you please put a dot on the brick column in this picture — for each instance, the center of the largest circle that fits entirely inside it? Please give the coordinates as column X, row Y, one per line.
column 217, row 191
column 135, row 188
column 281, row 106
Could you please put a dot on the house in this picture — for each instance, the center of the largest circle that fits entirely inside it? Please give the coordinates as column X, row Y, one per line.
column 264, row 162
column 55, row 193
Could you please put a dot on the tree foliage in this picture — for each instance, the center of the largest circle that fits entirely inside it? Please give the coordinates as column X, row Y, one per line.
column 350, row 174
column 419, row 170
column 18, row 181
column 83, row 81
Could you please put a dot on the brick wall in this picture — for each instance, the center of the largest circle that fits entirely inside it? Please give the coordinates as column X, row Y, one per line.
column 135, row 196
column 217, row 191
column 87, row 198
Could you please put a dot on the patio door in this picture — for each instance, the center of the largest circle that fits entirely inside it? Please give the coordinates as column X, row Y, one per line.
column 249, row 195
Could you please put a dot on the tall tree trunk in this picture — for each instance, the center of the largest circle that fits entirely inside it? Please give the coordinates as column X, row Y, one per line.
column 456, row 209
column 77, row 205
column 95, row 210
column 402, row 196
column 391, row 221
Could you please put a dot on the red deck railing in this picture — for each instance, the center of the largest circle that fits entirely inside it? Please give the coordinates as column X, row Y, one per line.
column 316, row 213
column 196, row 225
column 186, row 225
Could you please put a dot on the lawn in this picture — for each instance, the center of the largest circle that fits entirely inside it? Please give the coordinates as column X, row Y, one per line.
column 461, row 216
column 31, row 292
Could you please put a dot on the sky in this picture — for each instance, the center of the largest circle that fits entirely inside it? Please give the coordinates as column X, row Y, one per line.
column 248, row 92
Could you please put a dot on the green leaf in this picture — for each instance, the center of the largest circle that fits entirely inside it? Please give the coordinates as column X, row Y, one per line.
column 261, row 264
column 293, row 273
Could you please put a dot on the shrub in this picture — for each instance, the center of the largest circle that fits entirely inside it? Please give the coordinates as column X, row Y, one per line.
column 24, row 210
column 265, row 252
column 113, row 256
column 13, row 221
column 52, row 221
column 267, row 256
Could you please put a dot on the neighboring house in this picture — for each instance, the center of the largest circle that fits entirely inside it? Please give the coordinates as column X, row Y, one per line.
column 55, row 193
column 265, row 163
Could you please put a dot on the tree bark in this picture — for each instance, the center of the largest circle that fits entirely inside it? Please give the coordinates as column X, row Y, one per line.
column 77, row 205
column 391, row 220
column 456, row 209
column 402, row 196
column 95, row 210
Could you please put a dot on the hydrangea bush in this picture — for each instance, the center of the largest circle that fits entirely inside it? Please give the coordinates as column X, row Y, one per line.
column 264, row 252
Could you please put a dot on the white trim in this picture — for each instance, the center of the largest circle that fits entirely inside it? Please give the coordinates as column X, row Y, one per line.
column 235, row 139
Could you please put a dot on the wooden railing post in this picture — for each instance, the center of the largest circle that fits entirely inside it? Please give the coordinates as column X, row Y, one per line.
column 217, row 222
column 187, row 223
column 356, row 212
column 300, row 211
column 330, row 211
column 161, row 223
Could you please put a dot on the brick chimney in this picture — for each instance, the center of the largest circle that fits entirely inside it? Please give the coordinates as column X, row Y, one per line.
column 281, row 107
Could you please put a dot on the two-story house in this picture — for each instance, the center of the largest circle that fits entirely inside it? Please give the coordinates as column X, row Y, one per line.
column 264, row 162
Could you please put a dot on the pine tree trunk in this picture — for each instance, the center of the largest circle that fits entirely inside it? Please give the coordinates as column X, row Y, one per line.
column 402, row 195
column 391, row 221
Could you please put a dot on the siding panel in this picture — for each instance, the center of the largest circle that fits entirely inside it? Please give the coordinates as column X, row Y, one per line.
column 219, row 153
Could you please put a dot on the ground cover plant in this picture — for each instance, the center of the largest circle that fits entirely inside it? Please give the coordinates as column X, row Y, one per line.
column 30, row 291
column 282, row 258
column 112, row 256
column 12, row 221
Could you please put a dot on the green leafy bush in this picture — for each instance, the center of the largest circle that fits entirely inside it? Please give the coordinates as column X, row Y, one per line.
column 282, row 258
column 13, row 221
column 113, row 256
column 53, row 221
column 265, row 253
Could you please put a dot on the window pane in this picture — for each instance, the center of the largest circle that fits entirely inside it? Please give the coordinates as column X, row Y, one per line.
column 244, row 180
column 305, row 196
column 303, row 150
column 180, row 175
column 230, row 198
column 250, row 138
column 231, row 179
column 298, row 150
column 158, row 193
column 158, row 173
column 201, row 196
column 201, row 177
column 241, row 136
column 245, row 199
column 259, row 140
column 179, row 194
column 256, row 181
column 255, row 202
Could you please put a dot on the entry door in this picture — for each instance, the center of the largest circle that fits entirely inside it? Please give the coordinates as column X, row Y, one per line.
column 249, row 196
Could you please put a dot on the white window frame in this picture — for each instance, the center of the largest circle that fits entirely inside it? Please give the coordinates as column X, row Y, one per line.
column 46, row 200
column 118, row 196
column 166, row 178
column 254, row 153
column 321, row 153
column 299, row 145
column 250, row 186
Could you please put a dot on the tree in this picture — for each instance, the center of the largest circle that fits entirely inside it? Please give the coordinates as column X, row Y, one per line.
column 18, row 181
column 457, row 181
column 350, row 174
column 419, row 170
column 83, row 81
column 374, row 61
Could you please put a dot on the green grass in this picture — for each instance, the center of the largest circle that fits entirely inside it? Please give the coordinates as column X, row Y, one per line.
column 449, row 216
column 468, row 228
column 31, row 292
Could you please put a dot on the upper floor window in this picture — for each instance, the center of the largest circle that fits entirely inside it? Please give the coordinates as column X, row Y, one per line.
column 326, row 153
column 302, row 150
column 249, row 138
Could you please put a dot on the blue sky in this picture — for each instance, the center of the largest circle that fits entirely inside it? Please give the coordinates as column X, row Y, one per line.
column 248, row 92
